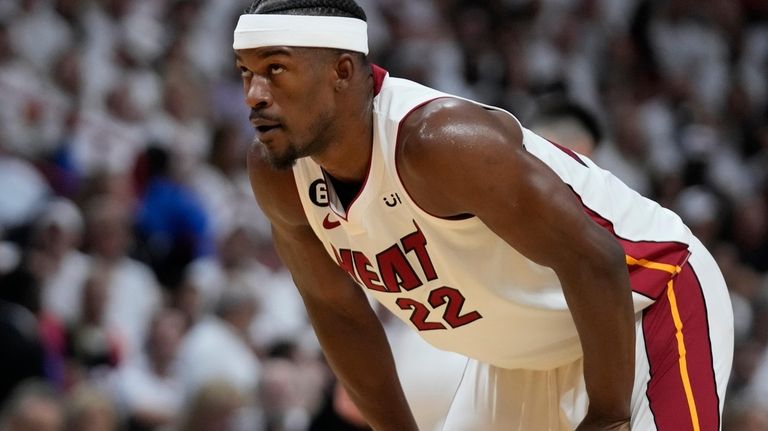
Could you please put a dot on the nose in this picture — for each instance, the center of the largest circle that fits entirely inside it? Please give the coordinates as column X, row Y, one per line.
column 257, row 94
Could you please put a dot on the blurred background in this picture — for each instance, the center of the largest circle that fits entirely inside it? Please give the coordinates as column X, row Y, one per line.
column 139, row 289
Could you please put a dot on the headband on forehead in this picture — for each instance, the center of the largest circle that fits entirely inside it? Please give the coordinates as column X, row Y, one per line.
column 257, row 31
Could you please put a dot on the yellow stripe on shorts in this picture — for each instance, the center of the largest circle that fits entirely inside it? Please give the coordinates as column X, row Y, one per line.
column 674, row 269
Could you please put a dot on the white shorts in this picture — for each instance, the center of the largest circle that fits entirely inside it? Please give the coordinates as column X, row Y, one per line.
column 684, row 351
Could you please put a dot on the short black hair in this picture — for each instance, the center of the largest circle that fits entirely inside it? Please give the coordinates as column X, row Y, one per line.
column 342, row 8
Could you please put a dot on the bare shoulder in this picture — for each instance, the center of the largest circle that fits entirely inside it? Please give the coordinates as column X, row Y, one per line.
column 447, row 141
column 275, row 191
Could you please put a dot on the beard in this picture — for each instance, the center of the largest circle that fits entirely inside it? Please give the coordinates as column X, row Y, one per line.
column 283, row 161
column 319, row 141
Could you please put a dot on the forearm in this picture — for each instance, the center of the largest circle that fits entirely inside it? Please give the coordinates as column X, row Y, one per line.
column 357, row 350
column 349, row 332
column 600, row 301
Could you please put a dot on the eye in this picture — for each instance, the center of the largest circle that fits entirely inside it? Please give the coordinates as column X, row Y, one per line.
column 244, row 72
column 276, row 69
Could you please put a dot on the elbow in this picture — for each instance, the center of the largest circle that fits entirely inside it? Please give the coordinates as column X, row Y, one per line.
column 613, row 257
column 595, row 266
column 613, row 264
column 606, row 260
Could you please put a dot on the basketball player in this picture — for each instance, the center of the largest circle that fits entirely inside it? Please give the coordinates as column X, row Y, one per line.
column 581, row 304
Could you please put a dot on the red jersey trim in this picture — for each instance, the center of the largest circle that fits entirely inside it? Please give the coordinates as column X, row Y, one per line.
column 378, row 78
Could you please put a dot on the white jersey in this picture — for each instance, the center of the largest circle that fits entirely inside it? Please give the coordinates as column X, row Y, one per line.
column 459, row 284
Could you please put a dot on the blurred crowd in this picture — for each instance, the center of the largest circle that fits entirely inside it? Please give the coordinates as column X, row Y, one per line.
column 139, row 289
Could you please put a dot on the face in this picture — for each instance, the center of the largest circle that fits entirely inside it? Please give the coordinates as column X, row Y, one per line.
column 291, row 95
column 37, row 414
column 165, row 335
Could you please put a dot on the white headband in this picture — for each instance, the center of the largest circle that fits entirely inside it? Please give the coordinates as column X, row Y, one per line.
column 260, row 30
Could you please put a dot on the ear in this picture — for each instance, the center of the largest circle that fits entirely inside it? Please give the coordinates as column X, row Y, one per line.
column 345, row 71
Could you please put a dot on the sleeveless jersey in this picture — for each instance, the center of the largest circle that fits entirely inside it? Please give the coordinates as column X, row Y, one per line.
column 455, row 281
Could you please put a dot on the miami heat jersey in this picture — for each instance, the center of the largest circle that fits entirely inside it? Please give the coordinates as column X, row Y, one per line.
column 455, row 281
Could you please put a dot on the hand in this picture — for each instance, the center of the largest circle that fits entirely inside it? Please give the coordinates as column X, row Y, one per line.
column 596, row 423
column 622, row 426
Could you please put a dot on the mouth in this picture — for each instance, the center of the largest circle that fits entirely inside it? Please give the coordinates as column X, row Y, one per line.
column 264, row 125
column 262, row 129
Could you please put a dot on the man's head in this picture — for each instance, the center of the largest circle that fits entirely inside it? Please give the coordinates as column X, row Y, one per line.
column 33, row 405
column 303, row 64
column 237, row 305
column 568, row 124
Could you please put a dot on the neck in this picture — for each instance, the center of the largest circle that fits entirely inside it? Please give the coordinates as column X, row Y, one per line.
column 348, row 159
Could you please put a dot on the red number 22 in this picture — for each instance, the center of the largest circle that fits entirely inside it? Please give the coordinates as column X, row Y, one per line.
column 448, row 296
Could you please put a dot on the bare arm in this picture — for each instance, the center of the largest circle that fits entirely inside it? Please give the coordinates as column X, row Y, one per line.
column 476, row 164
column 349, row 332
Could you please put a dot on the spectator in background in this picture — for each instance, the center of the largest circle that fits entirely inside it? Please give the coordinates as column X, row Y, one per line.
column 61, row 167
column 40, row 33
column 219, row 348
column 132, row 292
column 626, row 154
column 33, row 406
column 234, row 264
column 700, row 210
column 223, row 185
column 56, row 236
column 23, row 190
column 23, row 351
column 750, row 232
column 213, row 406
column 181, row 129
column 746, row 416
column 339, row 413
column 148, row 389
column 171, row 223
column 29, row 117
column 47, row 258
column 757, row 391
column 237, row 262
column 92, row 343
column 10, row 255
column 103, row 24
column 568, row 124
column 109, row 140
column 89, row 409
column 291, row 389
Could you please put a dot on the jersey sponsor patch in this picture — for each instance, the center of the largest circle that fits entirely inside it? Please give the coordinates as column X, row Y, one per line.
column 391, row 200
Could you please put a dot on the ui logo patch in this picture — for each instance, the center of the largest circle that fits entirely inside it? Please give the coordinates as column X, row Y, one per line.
column 391, row 200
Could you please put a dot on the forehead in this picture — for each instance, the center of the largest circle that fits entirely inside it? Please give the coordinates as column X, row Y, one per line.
column 270, row 52
column 263, row 52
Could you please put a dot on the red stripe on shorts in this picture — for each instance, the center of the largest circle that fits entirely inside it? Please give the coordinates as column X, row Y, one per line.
column 675, row 403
